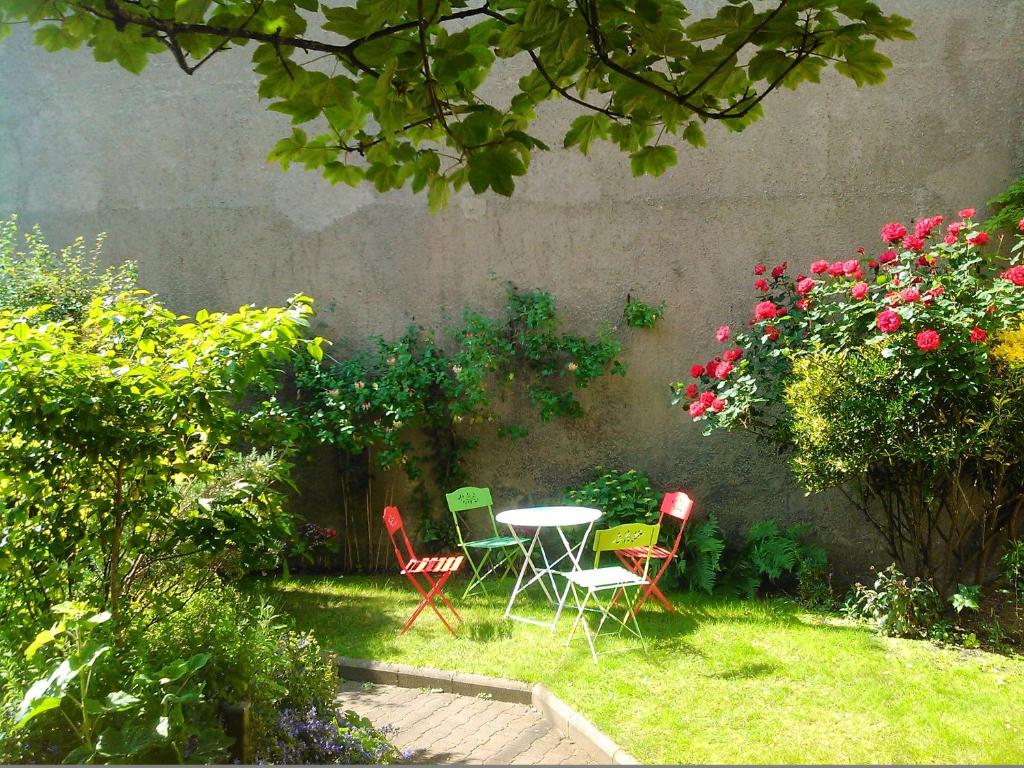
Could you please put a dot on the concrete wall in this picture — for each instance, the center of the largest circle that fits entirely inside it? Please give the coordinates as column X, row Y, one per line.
column 173, row 169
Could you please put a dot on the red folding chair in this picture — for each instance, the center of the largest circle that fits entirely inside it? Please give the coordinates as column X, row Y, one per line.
column 435, row 570
column 676, row 505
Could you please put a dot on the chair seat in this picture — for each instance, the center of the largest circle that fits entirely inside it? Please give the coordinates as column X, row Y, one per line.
column 495, row 542
column 657, row 553
column 442, row 564
column 605, row 578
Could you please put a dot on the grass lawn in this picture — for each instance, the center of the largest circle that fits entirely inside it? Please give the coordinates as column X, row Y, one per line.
column 725, row 681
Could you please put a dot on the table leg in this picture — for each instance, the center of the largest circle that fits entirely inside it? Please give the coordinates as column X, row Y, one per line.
column 575, row 558
column 527, row 563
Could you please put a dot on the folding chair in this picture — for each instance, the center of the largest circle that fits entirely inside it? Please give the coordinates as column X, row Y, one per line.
column 676, row 505
column 464, row 500
column 613, row 577
column 435, row 570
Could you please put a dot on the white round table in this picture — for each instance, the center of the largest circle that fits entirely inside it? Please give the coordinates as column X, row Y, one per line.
column 539, row 518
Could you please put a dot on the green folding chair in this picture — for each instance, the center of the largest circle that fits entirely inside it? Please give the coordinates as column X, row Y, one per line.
column 613, row 578
column 504, row 548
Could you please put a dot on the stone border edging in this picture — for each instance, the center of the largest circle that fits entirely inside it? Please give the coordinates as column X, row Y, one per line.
column 562, row 717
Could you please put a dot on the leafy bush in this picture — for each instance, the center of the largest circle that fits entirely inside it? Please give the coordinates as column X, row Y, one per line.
column 623, row 497
column 1010, row 205
column 966, row 598
column 63, row 283
column 253, row 657
column 897, row 605
column 89, row 705
column 879, row 377
column 121, row 460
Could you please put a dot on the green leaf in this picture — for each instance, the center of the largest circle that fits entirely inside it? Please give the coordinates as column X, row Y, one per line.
column 43, row 638
column 191, row 11
column 495, row 167
column 864, row 64
column 585, row 130
column 180, row 668
column 653, row 161
column 120, row 700
column 315, row 350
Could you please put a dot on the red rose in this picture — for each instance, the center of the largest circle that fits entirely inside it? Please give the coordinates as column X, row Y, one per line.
column 732, row 355
column 759, row 269
column 955, row 227
column 859, row 291
column 779, row 270
column 820, row 266
column 892, row 232
column 765, row 310
column 923, row 228
column 697, row 409
column 872, row 264
column 888, row 321
column 1015, row 275
column 723, row 333
column 910, row 295
column 805, row 285
column 990, row 308
column 691, row 391
column 835, row 269
column 803, row 304
column 913, row 243
column 966, row 213
column 888, row 256
column 717, row 405
column 978, row 238
column 949, row 239
column 938, row 290
column 978, row 334
column 851, row 266
column 697, row 371
column 771, row 332
column 707, row 398
column 860, row 250
column 928, row 340
column 1020, row 225
column 761, row 284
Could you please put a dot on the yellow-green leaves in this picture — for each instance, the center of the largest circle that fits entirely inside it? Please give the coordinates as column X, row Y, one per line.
column 653, row 161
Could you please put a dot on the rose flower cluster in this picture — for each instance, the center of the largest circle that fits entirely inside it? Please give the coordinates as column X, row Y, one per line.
column 906, row 295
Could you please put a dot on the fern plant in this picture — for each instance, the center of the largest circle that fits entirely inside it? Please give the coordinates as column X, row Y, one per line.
column 769, row 553
column 703, row 547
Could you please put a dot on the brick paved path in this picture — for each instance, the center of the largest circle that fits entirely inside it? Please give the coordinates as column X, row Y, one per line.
column 448, row 728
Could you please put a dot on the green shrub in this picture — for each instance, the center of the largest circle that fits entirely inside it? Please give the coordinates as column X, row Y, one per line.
column 897, row 605
column 640, row 315
column 253, row 657
column 623, row 497
column 769, row 553
column 1010, row 205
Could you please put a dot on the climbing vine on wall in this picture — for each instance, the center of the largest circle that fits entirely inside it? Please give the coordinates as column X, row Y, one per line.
column 405, row 402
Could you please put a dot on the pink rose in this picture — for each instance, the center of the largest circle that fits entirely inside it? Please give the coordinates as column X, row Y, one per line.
column 949, row 239
column 717, row 405
column 859, row 291
column 913, row 243
column 722, row 370
column 888, row 321
column 732, row 355
column 887, row 257
column 760, row 269
column 835, row 269
column 851, row 266
column 966, row 213
column 761, row 284
column 697, row 409
column 805, row 285
column 892, row 232
column 910, row 295
column 1020, row 225
column 779, row 269
column 706, row 398
column 1015, row 275
column 820, row 266
column 723, row 333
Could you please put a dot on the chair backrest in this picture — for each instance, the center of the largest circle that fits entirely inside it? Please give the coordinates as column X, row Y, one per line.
column 678, row 506
column 393, row 523
column 625, row 537
column 469, row 498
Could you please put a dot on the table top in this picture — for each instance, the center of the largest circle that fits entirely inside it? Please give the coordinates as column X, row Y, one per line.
column 544, row 517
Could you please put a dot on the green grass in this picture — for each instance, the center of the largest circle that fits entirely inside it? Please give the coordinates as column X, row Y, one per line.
column 725, row 681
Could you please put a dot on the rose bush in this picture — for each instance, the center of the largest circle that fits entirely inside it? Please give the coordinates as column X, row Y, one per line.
column 897, row 380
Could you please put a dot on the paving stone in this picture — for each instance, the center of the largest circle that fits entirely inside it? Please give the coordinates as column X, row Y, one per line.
column 449, row 728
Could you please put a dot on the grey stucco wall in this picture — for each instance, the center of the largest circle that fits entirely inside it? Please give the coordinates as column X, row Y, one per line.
column 173, row 169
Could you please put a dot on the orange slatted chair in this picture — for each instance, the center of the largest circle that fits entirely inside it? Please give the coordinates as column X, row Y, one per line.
column 676, row 505
column 435, row 570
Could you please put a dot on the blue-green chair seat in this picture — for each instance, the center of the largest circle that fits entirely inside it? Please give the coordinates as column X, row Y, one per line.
column 495, row 542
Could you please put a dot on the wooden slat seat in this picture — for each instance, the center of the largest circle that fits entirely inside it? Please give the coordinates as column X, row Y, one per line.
column 446, row 564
